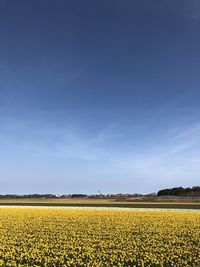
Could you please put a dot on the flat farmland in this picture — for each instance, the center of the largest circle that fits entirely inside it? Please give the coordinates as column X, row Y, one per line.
column 101, row 203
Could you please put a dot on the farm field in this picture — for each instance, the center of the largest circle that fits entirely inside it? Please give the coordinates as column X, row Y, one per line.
column 92, row 237
column 100, row 203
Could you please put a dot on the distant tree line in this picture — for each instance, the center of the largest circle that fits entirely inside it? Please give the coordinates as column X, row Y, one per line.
column 176, row 191
column 28, row 196
column 10, row 196
column 180, row 191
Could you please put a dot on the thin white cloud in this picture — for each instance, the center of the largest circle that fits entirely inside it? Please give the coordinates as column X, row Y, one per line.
column 174, row 161
column 191, row 9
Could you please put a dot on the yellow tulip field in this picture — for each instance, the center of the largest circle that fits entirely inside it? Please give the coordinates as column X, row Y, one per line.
column 98, row 237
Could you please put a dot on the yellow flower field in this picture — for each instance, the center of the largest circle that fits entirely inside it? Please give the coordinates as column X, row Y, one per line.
column 75, row 237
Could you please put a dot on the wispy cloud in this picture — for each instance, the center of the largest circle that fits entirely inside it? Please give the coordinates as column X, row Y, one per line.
column 173, row 161
column 191, row 9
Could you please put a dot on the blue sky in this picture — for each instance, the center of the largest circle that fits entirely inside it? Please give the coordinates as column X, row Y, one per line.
column 99, row 95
